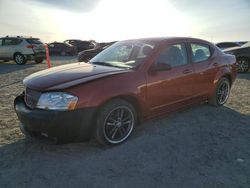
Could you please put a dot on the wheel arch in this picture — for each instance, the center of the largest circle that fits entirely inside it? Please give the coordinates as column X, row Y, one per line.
column 229, row 77
column 225, row 72
column 16, row 54
column 128, row 98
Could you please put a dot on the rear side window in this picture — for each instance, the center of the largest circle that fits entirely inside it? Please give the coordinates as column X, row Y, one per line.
column 16, row 41
column 34, row 41
column 9, row 42
column 200, row 52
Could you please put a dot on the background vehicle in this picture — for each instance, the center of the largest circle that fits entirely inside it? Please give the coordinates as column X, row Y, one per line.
column 60, row 48
column 225, row 45
column 21, row 49
column 242, row 54
column 129, row 82
column 81, row 45
column 86, row 55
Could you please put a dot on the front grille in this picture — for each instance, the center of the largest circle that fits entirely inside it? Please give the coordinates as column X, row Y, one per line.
column 31, row 97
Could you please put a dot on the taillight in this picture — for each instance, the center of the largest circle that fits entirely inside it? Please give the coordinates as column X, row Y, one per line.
column 31, row 46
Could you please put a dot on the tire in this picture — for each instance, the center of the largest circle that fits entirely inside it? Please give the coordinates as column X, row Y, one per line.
column 115, row 122
column 20, row 59
column 243, row 65
column 221, row 94
column 39, row 60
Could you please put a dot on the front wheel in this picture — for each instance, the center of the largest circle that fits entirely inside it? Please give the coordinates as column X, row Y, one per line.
column 221, row 93
column 115, row 122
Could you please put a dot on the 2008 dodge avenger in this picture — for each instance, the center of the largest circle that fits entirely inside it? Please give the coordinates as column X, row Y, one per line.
column 129, row 82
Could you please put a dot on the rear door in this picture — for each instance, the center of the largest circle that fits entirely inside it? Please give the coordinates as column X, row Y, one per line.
column 205, row 67
column 170, row 89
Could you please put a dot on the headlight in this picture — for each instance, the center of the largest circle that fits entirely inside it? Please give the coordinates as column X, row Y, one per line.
column 57, row 101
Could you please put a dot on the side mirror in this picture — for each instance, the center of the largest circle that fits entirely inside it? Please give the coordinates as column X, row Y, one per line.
column 160, row 66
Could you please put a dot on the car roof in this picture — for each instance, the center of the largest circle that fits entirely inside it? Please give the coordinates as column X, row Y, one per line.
column 57, row 43
column 165, row 39
column 22, row 38
column 227, row 43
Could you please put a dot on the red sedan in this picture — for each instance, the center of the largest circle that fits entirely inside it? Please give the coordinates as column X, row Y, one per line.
column 125, row 84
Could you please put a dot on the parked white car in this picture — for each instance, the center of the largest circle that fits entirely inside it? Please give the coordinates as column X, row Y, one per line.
column 21, row 49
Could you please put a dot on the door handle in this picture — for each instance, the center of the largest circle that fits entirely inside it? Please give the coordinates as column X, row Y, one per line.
column 187, row 71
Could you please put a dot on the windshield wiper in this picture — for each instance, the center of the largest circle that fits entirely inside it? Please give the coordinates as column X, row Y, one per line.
column 110, row 64
column 101, row 63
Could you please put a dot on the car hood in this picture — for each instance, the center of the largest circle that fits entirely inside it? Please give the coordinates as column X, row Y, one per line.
column 69, row 75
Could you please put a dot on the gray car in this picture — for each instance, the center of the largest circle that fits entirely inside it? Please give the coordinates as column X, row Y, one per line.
column 21, row 49
column 242, row 55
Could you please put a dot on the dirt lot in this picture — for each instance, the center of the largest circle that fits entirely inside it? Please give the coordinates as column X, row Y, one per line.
column 200, row 147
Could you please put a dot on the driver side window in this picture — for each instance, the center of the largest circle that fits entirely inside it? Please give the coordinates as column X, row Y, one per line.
column 175, row 55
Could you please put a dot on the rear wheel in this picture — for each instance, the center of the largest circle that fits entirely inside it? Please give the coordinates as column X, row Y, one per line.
column 19, row 59
column 243, row 65
column 221, row 93
column 115, row 122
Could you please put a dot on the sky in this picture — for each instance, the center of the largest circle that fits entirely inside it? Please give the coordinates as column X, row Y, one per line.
column 109, row 20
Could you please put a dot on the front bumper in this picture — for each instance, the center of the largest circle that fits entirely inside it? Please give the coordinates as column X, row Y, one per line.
column 75, row 125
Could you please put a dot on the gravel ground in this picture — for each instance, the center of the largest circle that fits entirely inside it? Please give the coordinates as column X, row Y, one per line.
column 199, row 147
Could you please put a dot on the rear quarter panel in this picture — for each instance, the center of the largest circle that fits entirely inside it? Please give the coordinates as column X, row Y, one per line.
column 23, row 49
column 227, row 68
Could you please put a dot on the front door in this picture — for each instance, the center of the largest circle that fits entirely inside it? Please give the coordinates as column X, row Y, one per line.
column 168, row 90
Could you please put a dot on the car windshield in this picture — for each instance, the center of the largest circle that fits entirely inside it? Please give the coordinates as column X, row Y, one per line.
column 246, row 45
column 124, row 54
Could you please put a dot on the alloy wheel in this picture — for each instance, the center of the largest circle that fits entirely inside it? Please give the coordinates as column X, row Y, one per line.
column 223, row 92
column 118, row 124
column 19, row 59
column 242, row 65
